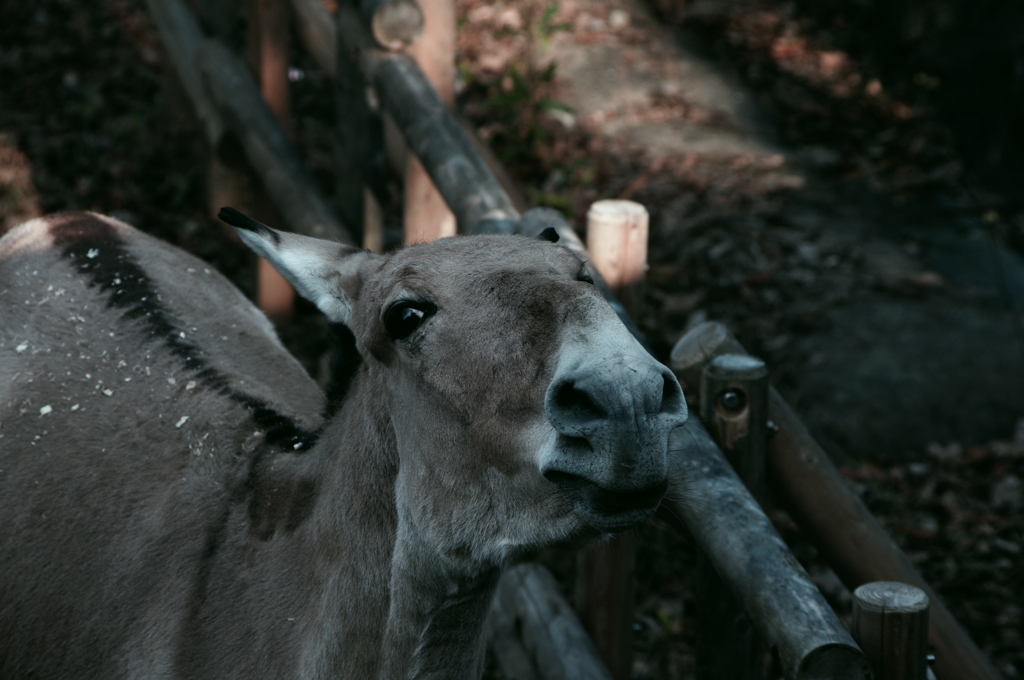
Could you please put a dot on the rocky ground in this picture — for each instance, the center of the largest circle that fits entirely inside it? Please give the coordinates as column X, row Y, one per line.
column 818, row 209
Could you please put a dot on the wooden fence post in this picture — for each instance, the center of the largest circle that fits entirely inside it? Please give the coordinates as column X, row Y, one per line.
column 890, row 623
column 605, row 578
column 426, row 215
column 734, row 407
column 268, row 56
column 268, row 46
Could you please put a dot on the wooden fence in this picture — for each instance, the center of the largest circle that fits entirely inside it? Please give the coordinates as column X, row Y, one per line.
column 760, row 596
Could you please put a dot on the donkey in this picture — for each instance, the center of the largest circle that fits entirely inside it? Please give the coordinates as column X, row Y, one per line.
column 174, row 503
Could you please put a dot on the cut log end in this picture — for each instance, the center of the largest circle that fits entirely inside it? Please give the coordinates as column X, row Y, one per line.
column 838, row 661
column 700, row 344
column 618, row 210
column 889, row 596
column 397, row 24
column 737, row 367
column 890, row 621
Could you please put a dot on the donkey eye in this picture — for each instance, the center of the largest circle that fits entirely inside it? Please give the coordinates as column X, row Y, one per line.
column 583, row 275
column 405, row 316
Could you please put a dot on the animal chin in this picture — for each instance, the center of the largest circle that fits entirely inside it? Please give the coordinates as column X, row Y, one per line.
column 615, row 522
column 606, row 510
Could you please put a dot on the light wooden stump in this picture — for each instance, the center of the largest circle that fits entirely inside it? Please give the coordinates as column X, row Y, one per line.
column 890, row 623
column 617, row 243
column 426, row 215
column 605, row 578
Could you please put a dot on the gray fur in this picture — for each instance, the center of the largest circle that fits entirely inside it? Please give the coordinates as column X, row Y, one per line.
column 138, row 543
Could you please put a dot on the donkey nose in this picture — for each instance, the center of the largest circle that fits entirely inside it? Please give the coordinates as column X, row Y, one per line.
column 587, row 402
column 612, row 418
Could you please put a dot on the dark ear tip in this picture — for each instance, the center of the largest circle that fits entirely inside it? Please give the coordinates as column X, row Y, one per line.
column 549, row 234
column 236, row 219
column 240, row 221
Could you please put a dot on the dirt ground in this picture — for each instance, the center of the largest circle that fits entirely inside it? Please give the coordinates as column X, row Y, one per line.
column 90, row 118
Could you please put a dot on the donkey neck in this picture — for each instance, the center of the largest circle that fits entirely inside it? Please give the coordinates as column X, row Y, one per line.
column 392, row 607
column 436, row 618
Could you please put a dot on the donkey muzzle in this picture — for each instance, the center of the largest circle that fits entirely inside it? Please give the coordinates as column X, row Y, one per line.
column 612, row 416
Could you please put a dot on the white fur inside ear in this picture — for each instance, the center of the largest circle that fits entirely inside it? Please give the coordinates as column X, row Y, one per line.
column 310, row 265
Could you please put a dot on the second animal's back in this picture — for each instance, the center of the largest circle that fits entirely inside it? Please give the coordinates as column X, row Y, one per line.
column 129, row 374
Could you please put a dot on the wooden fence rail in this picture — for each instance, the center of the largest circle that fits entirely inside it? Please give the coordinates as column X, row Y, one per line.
column 831, row 515
column 551, row 634
column 786, row 608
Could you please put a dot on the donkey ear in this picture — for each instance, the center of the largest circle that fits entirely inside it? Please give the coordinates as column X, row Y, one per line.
column 323, row 272
column 548, row 234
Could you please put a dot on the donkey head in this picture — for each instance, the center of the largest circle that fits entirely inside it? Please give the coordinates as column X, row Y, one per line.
column 523, row 411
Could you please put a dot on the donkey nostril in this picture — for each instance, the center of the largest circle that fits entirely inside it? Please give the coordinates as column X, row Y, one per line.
column 671, row 395
column 565, row 481
column 576, row 405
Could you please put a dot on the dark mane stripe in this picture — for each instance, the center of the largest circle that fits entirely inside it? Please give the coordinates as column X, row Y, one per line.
column 101, row 254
